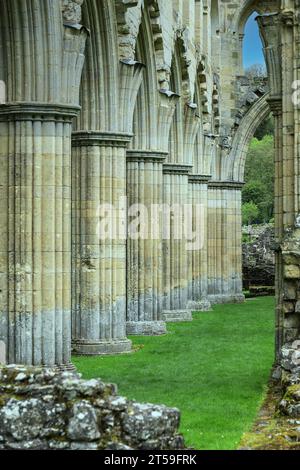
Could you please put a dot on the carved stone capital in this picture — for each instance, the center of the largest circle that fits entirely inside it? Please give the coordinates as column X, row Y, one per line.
column 233, row 185
column 177, row 169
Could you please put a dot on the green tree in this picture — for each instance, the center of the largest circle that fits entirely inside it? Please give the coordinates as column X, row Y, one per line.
column 259, row 177
column 250, row 213
column 266, row 128
column 253, row 191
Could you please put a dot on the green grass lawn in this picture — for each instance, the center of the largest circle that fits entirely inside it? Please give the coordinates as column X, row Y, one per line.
column 215, row 370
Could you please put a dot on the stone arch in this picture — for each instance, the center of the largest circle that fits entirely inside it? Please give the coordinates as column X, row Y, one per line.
column 100, row 74
column 202, row 145
column 215, row 17
column 176, row 84
column 247, row 7
column 241, row 141
column 146, row 110
column 241, row 16
column 215, row 32
column 180, row 83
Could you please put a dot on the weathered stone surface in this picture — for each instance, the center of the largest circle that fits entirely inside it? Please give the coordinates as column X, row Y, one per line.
column 71, row 10
column 83, row 423
column 290, row 404
column 78, row 415
column 258, row 256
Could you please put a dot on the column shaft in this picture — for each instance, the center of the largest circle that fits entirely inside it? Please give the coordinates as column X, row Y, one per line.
column 35, row 233
column 197, row 258
column 99, row 257
column 175, row 269
column 225, row 242
column 144, row 276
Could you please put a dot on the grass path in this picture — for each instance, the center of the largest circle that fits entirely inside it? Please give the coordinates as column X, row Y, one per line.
column 214, row 370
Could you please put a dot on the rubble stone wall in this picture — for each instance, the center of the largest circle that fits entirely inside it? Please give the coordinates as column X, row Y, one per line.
column 43, row 409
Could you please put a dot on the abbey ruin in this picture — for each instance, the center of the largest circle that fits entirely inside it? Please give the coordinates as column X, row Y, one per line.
column 117, row 103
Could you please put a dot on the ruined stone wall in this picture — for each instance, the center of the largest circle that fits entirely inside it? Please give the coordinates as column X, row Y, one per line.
column 258, row 255
column 43, row 410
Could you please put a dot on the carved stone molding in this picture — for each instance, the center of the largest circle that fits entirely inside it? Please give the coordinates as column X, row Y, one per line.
column 235, row 185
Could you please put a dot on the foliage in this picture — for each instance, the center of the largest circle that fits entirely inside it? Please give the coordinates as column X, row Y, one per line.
column 250, row 213
column 259, row 179
column 266, row 128
column 214, row 370
column 246, row 238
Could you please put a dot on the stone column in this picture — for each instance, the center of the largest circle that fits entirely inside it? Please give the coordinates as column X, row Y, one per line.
column 35, row 180
column 144, row 274
column 214, row 234
column 99, row 259
column 145, row 287
column 99, row 182
column 175, row 248
column 36, row 232
column 198, row 257
column 224, row 242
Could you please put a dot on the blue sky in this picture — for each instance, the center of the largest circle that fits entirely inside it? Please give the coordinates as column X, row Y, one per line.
column 252, row 53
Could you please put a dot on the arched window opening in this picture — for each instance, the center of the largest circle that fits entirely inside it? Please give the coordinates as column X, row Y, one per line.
column 258, row 211
column 254, row 64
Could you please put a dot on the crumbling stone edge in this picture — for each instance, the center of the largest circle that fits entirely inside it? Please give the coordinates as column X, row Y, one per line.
column 43, row 409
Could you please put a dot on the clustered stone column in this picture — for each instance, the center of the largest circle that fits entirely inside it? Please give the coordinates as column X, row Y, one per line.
column 99, row 259
column 144, row 274
column 224, row 242
column 35, row 232
column 35, row 181
column 145, row 181
column 198, row 258
column 100, row 217
column 175, row 246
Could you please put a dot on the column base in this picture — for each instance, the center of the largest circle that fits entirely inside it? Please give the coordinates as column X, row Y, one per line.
column 146, row 328
column 65, row 368
column 101, row 348
column 199, row 306
column 226, row 299
column 174, row 316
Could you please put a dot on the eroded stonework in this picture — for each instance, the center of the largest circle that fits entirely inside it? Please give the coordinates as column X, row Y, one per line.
column 41, row 409
column 71, row 10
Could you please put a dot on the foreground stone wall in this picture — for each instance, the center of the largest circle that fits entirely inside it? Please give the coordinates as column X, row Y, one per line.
column 42, row 409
